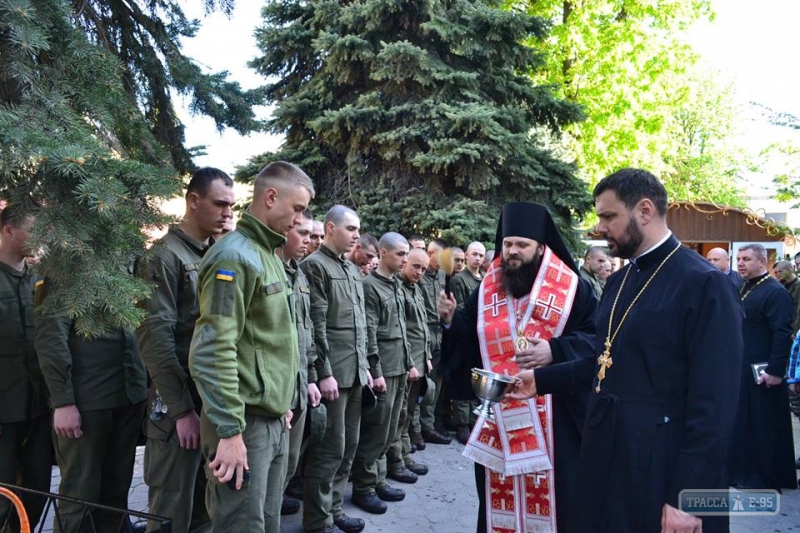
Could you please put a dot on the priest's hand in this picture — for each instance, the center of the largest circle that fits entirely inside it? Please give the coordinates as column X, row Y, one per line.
column 675, row 521
column 537, row 354
column 523, row 389
column 446, row 307
column 769, row 380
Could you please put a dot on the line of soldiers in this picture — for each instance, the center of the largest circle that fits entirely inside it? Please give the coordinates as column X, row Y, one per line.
column 216, row 378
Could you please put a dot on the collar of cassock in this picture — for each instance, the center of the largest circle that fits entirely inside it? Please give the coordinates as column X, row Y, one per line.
column 756, row 279
column 655, row 255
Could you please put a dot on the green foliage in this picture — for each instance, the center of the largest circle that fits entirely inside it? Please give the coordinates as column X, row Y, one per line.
column 647, row 104
column 77, row 152
column 144, row 35
column 420, row 114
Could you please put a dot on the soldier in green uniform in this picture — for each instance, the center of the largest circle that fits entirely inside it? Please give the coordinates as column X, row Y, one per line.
column 340, row 336
column 463, row 285
column 98, row 389
column 25, row 442
column 431, row 416
column 364, row 253
column 307, row 394
column 419, row 349
column 173, row 462
column 389, row 365
column 244, row 356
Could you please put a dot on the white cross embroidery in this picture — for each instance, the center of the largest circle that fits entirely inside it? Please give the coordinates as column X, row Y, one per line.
column 497, row 342
column 549, row 306
column 495, row 305
column 560, row 269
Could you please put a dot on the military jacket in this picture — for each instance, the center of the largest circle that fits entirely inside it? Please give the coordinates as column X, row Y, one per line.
column 597, row 285
column 244, row 353
column 794, row 289
column 307, row 370
column 463, row 285
column 387, row 351
column 337, row 312
column 172, row 310
column 416, row 326
column 103, row 372
column 23, row 393
column 431, row 284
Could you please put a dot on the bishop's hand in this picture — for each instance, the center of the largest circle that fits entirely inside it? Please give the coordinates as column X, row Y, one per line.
column 537, row 354
column 523, row 389
column 446, row 307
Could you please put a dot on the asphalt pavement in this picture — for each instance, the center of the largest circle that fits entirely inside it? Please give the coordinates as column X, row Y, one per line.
column 445, row 501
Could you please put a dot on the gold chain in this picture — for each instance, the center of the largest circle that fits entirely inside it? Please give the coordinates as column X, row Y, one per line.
column 604, row 360
column 745, row 295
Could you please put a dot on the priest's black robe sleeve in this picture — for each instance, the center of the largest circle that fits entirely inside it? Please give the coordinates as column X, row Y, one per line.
column 713, row 344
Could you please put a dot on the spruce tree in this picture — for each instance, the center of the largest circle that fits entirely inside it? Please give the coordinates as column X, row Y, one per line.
column 421, row 114
column 144, row 35
column 77, row 152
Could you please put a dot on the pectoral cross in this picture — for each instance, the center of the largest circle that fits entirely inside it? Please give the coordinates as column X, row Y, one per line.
column 605, row 362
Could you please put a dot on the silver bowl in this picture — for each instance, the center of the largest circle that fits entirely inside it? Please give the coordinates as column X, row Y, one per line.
column 489, row 387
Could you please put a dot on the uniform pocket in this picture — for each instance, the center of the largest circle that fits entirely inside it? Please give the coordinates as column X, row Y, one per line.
column 12, row 324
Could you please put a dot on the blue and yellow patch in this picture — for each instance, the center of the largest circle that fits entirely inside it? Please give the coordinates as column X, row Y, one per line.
column 225, row 275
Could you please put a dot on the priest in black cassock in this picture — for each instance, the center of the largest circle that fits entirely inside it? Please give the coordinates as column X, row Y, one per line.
column 665, row 384
column 762, row 452
column 533, row 309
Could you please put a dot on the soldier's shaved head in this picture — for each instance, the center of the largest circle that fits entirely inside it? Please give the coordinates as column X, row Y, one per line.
column 391, row 241
column 337, row 214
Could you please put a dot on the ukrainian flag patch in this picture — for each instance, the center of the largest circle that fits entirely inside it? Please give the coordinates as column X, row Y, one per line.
column 225, row 275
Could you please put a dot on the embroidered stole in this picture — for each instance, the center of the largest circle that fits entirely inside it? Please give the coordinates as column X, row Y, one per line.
column 517, row 448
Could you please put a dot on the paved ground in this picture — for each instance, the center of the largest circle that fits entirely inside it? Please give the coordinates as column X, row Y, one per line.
column 444, row 501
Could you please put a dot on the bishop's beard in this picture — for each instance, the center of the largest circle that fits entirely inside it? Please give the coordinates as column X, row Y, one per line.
column 518, row 281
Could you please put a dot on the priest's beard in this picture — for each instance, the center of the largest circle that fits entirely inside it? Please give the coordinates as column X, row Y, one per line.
column 518, row 281
column 633, row 239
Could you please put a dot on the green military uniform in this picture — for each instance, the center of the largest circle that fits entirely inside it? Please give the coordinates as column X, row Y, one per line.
column 340, row 336
column 419, row 351
column 432, row 284
column 243, row 359
column 25, row 442
column 104, row 377
column 793, row 287
column 164, row 339
column 463, row 285
column 597, row 284
column 388, row 356
column 307, row 369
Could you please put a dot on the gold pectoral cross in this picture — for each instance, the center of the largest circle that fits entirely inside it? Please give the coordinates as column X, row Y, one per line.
column 605, row 362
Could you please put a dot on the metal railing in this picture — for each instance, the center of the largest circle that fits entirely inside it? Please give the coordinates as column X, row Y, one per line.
column 87, row 522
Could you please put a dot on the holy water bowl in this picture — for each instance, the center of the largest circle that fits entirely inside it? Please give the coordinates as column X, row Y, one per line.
column 490, row 388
